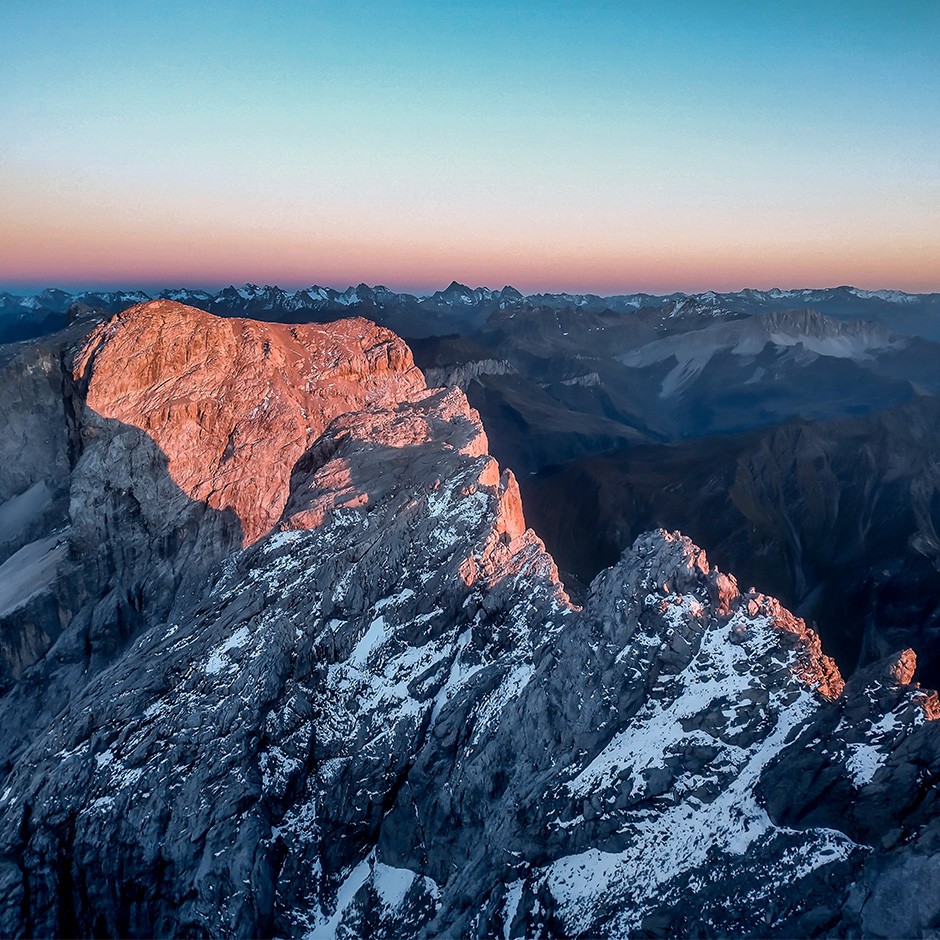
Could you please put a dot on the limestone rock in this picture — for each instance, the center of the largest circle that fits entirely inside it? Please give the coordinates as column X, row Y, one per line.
column 232, row 404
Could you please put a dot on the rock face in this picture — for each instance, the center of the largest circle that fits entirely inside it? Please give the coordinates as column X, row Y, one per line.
column 464, row 374
column 232, row 404
column 316, row 678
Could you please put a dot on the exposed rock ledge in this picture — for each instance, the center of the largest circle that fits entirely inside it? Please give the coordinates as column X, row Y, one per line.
column 462, row 375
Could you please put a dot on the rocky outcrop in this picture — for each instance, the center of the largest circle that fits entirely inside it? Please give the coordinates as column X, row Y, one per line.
column 34, row 446
column 37, row 453
column 463, row 374
column 377, row 713
column 232, row 404
column 166, row 438
column 838, row 520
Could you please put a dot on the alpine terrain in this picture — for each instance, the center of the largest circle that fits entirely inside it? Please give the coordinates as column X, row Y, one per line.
column 279, row 655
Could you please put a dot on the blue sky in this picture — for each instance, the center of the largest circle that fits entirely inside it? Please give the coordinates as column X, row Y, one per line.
column 581, row 145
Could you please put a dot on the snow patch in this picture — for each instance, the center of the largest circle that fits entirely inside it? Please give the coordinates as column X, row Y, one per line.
column 30, row 570
column 218, row 658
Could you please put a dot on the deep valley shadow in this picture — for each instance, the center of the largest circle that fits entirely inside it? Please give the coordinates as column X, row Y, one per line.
column 838, row 520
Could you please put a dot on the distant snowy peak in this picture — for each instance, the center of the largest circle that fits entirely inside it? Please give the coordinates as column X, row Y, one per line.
column 825, row 294
column 271, row 297
column 891, row 296
column 184, row 296
column 111, row 298
column 457, row 293
column 382, row 295
column 464, row 307
column 573, row 300
column 621, row 303
column 266, row 297
column 53, row 298
column 699, row 305
column 349, row 297
column 509, row 296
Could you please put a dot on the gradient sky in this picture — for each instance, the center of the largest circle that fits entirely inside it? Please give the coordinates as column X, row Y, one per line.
column 580, row 146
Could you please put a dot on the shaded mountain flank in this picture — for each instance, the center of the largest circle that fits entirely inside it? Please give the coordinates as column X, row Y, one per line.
column 303, row 670
column 839, row 519
column 799, row 448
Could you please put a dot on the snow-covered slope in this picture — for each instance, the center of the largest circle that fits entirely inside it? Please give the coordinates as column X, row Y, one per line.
column 811, row 334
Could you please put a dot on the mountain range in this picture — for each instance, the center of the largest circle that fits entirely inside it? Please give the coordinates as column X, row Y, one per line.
column 461, row 307
column 579, row 391
column 280, row 655
column 798, row 447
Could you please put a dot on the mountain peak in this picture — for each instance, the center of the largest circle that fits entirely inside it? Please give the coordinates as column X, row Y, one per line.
column 147, row 361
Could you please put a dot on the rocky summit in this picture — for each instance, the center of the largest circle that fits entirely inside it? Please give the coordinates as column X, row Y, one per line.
column 279, row 657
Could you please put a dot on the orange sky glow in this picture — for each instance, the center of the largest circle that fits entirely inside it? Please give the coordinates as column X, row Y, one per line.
column 692, row 147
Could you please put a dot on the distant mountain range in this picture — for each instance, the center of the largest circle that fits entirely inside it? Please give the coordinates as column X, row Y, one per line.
column 792, row 432
column 459, row 308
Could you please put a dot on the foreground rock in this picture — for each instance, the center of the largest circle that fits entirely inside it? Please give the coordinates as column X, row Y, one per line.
column 327, row 682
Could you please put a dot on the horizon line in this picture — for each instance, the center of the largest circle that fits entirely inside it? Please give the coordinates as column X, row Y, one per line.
column 31, row 289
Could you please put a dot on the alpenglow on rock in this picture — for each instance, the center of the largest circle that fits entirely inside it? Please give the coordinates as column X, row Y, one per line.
column 300, row 669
